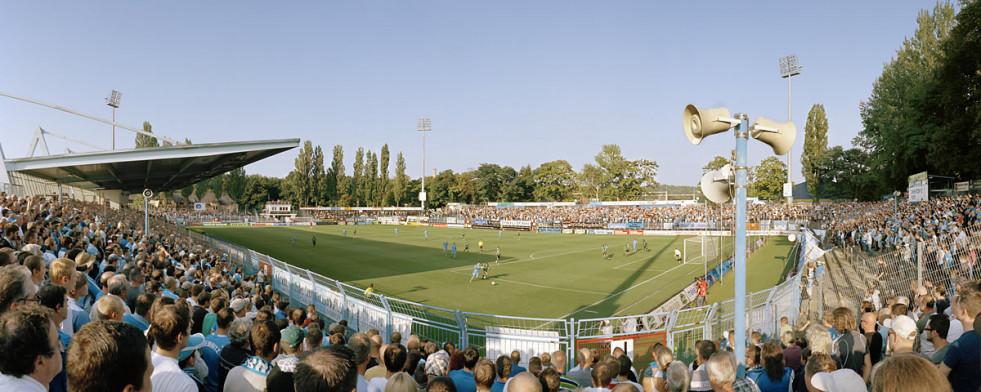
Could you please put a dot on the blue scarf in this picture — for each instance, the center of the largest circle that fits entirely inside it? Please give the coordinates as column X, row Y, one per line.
column 258, row 365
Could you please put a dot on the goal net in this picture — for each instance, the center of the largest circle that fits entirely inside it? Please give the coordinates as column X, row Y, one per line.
column 701, row 249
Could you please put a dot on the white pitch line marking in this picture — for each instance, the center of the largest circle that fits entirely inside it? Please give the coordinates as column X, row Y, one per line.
column 623, row 291
column 544, row 286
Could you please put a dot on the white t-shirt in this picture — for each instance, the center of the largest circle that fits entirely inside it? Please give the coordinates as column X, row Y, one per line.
column 168, row 376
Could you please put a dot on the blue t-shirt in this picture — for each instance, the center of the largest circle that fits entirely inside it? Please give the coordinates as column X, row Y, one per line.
column 964, row 359
column 209, row 353
column 463, row 380
column 765, row 384
column 515, row 369
column 498, row 386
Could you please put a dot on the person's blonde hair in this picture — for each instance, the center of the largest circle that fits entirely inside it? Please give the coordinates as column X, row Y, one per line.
column 907, row 372
column 970, row 301
column 787, row 338
column 664, row 357
column 61, row 268
column 401, row 382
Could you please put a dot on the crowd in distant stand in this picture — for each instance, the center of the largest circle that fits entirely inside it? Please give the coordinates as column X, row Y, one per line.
column 620, row 214
column 87, row 303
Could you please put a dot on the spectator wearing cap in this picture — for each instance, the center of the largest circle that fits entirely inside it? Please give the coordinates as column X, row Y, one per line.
column 213, row 345
column 839, row 380
column 281, row 376
column 108, row 356
column 31, row 349
column 240, row 306
column 190, row 360
column 902, row 335
column 463, row 378
column 236, row 351
column 437, row 365
column 394, row 357
column 170, row 332
column 251, row 375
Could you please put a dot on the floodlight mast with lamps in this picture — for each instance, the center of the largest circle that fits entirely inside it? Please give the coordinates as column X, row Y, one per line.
column 789, row 67
column 113, row 101
column 423, row 125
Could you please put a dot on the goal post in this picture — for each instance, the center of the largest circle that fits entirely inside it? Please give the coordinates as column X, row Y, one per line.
column 702, row 249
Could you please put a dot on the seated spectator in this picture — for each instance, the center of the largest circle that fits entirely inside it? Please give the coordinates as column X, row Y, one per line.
column 30, row 346
column 326, row 369
column 108, row 356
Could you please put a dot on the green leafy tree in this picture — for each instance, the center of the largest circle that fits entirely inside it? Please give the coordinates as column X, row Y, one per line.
column 492, row 180
column 847, row 175
column 639, row 180
column 440, row 189
column 465, row 188
column 144, row 141
column 335, row 183
column 955, row 147
column 235, row 182
column 371, row 195
column 614, row 168
column 554, row 181
column 899, row 117
column 591, row 182
column 401, row 183
column 300, row 185
column 357, row 188
column 715, row 164
column 384, row 187
column 815, row 145
column 768, row 179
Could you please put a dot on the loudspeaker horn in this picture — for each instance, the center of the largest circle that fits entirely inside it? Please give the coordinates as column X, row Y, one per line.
column 717, row 185
column 780, row 136
column 700, row 123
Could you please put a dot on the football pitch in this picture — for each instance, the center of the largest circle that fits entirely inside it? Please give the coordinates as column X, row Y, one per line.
column 539, row 275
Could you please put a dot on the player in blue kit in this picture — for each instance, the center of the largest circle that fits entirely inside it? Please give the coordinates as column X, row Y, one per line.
column 445, row 246
column 453, row 248
column 476, row 272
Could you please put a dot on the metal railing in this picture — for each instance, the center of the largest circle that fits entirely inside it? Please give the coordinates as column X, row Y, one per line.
column 497, row 334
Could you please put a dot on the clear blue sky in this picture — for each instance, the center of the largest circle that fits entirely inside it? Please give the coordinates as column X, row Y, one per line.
column 507, row 82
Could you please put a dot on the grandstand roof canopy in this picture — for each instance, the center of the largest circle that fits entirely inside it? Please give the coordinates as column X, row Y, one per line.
column 157, row 168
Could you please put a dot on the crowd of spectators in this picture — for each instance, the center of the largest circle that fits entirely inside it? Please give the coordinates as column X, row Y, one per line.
column 653, row 215
column 90, row 303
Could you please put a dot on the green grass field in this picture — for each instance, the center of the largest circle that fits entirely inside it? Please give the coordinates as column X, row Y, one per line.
column 540, row 275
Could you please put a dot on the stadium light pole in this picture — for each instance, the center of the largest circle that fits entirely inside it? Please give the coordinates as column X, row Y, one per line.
column 423, row 125
column 789, row 67
column 113, row 100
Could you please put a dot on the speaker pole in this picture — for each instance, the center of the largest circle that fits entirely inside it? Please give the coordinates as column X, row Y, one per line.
column 742, row 135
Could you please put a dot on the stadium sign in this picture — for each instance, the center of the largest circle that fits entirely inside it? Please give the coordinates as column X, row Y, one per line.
column 919, row 187
column 198, row 206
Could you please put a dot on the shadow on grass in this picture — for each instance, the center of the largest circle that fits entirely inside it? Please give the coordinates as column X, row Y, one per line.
column 350, row 259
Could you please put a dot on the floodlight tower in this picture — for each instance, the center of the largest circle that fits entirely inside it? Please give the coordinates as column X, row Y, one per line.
column 423, row 125
column 113, row 100
column 789, row 67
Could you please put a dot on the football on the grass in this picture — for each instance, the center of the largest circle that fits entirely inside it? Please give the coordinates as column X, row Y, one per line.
column 494, row 283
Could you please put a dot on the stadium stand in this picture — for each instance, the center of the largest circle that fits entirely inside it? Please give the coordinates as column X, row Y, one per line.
column 252, row 336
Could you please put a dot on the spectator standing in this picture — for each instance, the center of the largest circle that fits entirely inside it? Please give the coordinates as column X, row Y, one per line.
column 251, row 375
column 170, row 330
column 936, row 331
column 464, row 378
column 582, row 373
column 776, row 375
column 211, row 351
column 850, row 349
column 281, row 376
column 108, row 356
column 53, row 297
column 236, row 351
column 963, row 358
column 502, row 369
column 326, row 369
column 394, row 360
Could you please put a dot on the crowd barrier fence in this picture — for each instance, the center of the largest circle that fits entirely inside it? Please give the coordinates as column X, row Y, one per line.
column 497, row 334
